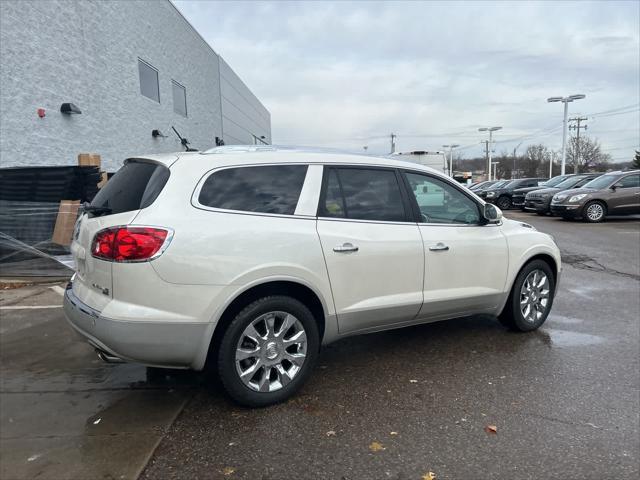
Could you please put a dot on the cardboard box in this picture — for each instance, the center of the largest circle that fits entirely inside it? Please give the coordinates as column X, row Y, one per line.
column 66, row 220
column 88, row 160
column 103, row 179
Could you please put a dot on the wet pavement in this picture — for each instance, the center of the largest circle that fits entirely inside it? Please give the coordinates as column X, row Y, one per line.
column 63, row 412
column 564, row 399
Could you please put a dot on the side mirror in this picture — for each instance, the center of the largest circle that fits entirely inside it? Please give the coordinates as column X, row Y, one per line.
column 491, row 213
column 613, row 187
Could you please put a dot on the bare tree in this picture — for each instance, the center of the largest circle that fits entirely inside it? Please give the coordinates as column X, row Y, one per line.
column 535, row 158
column 505, row 165
column 587, row 154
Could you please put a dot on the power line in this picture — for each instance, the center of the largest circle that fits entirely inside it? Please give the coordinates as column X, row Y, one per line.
column 633, row 105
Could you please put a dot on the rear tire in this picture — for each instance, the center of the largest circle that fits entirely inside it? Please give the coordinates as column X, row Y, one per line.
column 503, row 203
column 594, row 212
column 530, row 299
column 268, row 351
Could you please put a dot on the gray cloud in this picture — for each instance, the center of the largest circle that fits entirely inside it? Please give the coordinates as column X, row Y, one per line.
column 346, row 74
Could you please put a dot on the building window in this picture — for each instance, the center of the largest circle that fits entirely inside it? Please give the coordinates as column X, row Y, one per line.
column 148, row 81
column 179, row 98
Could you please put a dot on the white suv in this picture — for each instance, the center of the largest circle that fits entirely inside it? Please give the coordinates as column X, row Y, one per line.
column 250, row 258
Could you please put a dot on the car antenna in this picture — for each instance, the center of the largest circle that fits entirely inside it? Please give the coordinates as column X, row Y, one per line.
column 184, row 141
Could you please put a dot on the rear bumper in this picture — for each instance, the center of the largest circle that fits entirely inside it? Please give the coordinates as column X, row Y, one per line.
column 160, row 344
column 571, row 211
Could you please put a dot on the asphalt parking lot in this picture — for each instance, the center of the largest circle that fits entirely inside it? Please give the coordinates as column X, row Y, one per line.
column 564, row 400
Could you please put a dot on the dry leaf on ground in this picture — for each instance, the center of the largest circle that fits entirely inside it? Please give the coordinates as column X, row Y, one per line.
column 491, row 429
column 376, row 447
column 228, row 471
column 331, row 433
column 429, row 476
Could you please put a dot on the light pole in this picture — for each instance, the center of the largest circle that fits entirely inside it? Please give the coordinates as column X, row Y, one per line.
column 566, row 101
column 451, row 147
column 490, row 130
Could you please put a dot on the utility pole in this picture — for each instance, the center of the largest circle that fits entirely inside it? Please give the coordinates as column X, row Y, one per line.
column 490, row 145
column 450, row 147
column 566, row 101
column 393, row 143
column 513, row 171
column 577, row 128
column 486, row 156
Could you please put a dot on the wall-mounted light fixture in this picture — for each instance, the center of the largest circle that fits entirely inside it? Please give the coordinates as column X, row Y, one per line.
column 69, row 108
column 155, row 133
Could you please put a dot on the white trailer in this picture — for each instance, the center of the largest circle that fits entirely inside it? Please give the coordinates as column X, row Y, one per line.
column 436, row 160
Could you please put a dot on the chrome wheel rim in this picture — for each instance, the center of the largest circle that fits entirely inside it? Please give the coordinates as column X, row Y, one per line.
column 271, row 351
column 534, row 296
column 595, row 211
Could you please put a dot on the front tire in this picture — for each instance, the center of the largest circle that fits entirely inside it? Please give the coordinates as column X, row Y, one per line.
column 268, row 351
column 594, row 212
column 503, row 203
column 531, row 298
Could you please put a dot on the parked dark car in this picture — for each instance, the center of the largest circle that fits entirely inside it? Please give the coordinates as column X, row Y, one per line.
column 517, row 199
column 486, row 184
column 539, row 200
column 616, row 193
column 501, row 195
column 482, row 191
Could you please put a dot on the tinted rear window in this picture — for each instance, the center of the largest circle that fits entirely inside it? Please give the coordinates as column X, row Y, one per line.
column 267, row 189
column 363, row 194
column 136, row 185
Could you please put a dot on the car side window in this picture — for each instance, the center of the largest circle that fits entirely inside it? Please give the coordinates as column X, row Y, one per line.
column 363, row 194
column 582, row 182
column 264, row 189
column 630, row 181
column 440, row 202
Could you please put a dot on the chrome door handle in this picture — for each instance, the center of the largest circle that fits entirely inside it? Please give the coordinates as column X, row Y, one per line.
column 439, row 246
column 345, row 247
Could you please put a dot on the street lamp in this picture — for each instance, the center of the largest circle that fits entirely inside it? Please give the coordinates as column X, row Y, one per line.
column 566, row 101
column 451, row 147
column 490, row 130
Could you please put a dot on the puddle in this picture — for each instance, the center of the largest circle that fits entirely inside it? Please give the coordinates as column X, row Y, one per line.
column 564, row 320
column 565, row 338
column 585, row 292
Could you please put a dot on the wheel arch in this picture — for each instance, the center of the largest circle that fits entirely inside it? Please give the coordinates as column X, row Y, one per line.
column 289, row 288
column 548, row 259
column 599, row 200
column 545, row 257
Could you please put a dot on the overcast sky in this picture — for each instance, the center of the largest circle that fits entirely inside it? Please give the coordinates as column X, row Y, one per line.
column 346, row 75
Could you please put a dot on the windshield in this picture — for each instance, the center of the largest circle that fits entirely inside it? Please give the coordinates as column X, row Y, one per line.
column 601, row 182
column 135, row 186
column 500, row 184
column 570, row 182
column 555, row 181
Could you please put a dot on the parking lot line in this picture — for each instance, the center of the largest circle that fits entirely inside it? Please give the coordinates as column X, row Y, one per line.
column 58, row 289
column 27, row 307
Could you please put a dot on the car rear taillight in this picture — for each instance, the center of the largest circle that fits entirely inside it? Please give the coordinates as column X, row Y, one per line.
column 129, row 244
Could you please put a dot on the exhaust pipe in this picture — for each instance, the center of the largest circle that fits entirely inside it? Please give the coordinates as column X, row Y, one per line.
column 107, row 357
